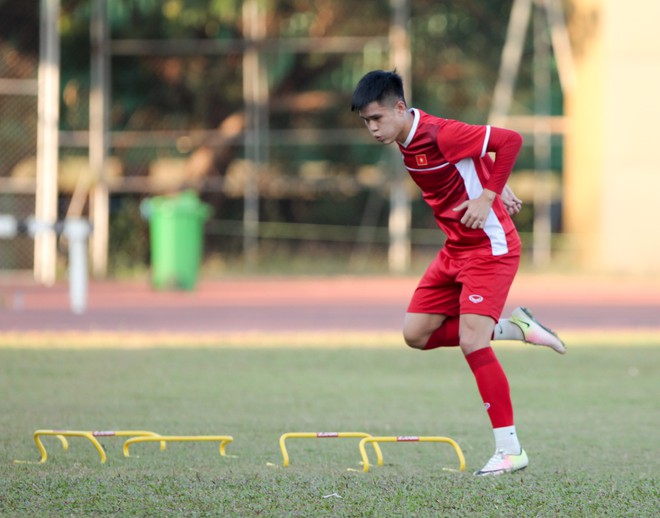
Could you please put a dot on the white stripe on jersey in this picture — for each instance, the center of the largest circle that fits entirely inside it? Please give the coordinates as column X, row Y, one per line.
column 485, row 148
column 428, row 168
column 413, row 129
column 493, row 228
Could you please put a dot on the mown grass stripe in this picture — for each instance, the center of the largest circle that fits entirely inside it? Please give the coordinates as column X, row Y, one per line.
column 321, row 339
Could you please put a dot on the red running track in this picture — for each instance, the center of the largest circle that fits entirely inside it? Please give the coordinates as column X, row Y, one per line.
column 565, row 303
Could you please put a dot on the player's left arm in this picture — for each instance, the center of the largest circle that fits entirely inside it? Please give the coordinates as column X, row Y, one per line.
column 511, row 202
column 506, row 145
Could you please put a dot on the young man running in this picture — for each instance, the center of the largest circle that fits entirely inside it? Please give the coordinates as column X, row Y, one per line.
column 460, row 298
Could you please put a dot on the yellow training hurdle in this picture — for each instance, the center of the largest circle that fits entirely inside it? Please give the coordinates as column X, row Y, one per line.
column 222, row 439
column 91, row 436
column 408, row 438
column 140, row 436
column 326, row 435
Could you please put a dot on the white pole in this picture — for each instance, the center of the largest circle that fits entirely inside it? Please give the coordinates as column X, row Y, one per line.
column 8, row 226
column 255, row 92
column 98, row 137
column 399, row 218
column 399, row 224
column 77, row 230
column 541, row 253
column 511, row 56
column 45, row 244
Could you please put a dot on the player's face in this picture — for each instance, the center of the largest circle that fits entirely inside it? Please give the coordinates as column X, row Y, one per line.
column 386, row 123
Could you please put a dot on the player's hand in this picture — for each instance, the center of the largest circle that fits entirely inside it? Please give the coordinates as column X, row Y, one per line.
column 512, row 203
column 476, row 210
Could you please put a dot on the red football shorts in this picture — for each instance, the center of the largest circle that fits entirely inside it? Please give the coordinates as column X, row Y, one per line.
column 470, row 285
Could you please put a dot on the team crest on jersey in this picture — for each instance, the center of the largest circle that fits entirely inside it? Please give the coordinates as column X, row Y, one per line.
column 421, row 160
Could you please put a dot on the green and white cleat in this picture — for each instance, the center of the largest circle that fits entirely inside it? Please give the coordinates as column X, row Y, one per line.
column 534, row 332
column 504, row 463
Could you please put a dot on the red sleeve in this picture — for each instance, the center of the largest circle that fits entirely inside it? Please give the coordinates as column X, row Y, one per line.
column 458, row 140
column 506, row 145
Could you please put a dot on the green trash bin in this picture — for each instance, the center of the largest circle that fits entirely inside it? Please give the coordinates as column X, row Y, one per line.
column 176, row 225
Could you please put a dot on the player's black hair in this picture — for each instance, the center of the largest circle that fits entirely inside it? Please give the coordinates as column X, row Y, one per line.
column 378, row 86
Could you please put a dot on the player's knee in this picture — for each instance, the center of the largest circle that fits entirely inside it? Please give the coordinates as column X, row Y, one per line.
column 469, row 342
column 414, row 340
column 475, row 333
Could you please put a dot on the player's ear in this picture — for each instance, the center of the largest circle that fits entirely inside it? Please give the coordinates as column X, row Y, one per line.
column 400, row 107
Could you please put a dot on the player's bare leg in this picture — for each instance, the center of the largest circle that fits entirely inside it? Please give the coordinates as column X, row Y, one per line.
column 475, row 332
column 418, row 328
column 429, row 331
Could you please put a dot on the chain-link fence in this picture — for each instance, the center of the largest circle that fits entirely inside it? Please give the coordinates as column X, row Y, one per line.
column 18, row 123
column 179, row 117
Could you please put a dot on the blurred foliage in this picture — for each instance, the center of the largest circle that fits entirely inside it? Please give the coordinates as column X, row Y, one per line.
column 129, row 236
column 456, row 49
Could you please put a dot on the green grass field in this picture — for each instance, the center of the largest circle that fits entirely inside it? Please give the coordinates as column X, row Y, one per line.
column 589, row 421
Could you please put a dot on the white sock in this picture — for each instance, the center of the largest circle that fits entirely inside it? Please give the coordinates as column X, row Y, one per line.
column 507, row 330
column 507, row 440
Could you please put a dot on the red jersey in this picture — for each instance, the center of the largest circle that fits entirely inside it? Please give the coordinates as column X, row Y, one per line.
column 448, row 160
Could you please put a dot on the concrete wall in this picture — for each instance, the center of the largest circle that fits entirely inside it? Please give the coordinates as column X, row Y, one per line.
column 612, row 175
